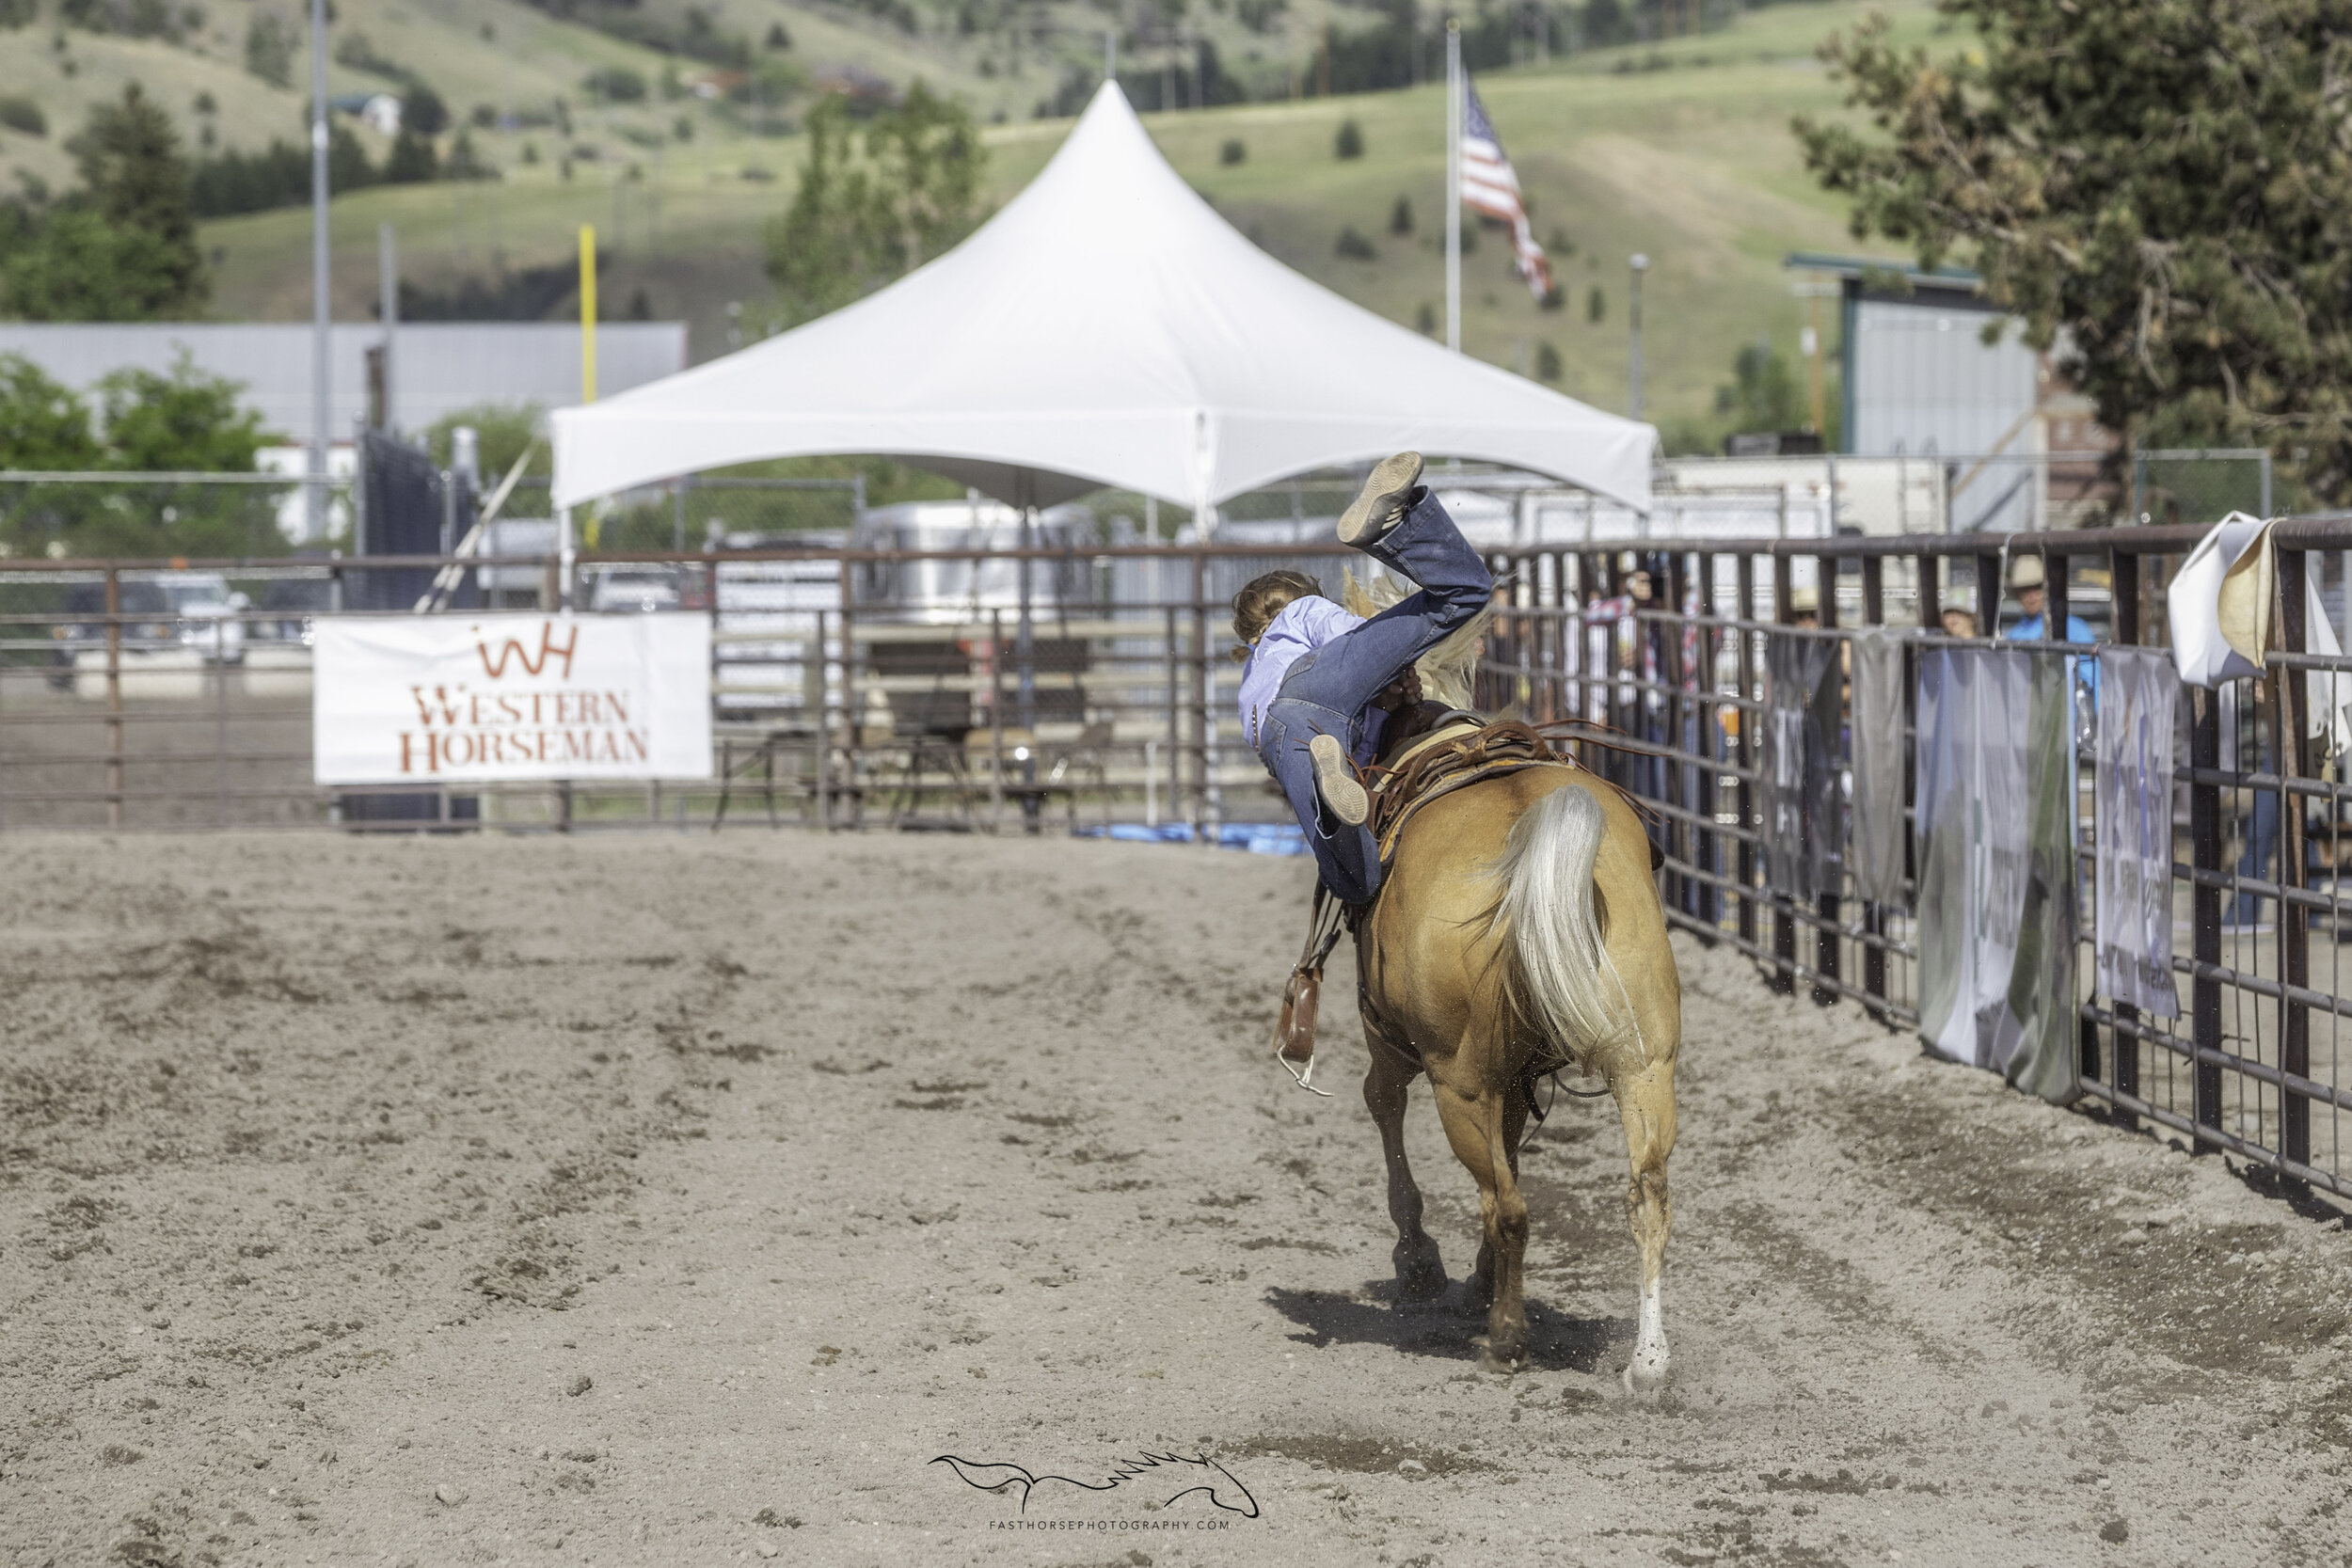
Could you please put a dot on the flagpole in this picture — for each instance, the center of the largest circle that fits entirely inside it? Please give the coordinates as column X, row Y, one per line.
column 1454, row 184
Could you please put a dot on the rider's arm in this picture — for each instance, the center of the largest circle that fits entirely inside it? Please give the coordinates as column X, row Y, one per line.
column 1318, row 621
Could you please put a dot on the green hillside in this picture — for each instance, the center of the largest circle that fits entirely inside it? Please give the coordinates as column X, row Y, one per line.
column 1680, row 151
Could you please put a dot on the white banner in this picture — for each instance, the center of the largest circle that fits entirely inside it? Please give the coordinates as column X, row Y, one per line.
column 2138, row 690
column 485, row 698
column 1975, row 824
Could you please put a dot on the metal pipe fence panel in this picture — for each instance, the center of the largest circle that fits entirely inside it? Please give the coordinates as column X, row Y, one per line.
column 1091, row 685
column 846, row 689
column 1653, row 665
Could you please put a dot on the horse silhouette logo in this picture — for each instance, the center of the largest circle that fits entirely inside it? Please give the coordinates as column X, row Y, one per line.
column 1149, row 1472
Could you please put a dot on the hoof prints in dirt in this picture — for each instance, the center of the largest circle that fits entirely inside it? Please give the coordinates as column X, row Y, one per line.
column 358, row 1125
column 1446, row 1329
column 1364, row 1456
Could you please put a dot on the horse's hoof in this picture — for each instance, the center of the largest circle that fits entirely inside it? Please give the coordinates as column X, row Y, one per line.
column 1420, row 1284
column 1646, row 1373
column 1420, row 1271
column 1503, row 1362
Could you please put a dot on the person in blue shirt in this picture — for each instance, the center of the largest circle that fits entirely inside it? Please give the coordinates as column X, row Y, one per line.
column 1312, row 672
column 2028, row 581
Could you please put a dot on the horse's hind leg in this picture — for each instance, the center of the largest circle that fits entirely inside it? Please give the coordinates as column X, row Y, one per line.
column 1482, row 1281
column 1645, row 1103
column 1475, row 1125
column 1420, row 1271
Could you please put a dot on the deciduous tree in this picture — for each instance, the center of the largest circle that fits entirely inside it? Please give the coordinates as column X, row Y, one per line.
column 875, row 206
column 2162, row 189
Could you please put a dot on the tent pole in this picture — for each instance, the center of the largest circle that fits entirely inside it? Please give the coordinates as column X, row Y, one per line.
column 322, row 308
column 1454, row 184
column 564, row 555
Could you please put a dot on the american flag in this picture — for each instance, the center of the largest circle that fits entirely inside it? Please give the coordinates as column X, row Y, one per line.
column 1490, row 186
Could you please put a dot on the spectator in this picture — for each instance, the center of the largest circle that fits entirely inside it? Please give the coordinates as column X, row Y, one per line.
column 2026, row 579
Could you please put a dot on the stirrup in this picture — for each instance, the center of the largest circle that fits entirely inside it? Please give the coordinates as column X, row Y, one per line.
column 1300, row 1075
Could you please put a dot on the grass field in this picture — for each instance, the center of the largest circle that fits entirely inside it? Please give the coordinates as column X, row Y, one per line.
column 1680, row 151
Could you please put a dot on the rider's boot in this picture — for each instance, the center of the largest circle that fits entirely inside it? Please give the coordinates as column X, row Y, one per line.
column 1388, row 494
column 1343, row 794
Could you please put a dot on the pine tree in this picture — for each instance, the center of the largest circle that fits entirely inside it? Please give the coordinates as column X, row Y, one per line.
column 123, row 247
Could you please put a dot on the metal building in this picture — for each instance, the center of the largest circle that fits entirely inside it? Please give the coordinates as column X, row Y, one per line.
column 1918, row 379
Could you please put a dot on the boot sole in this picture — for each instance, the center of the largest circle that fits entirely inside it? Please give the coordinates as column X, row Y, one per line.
column 1337, row 782
column 1391, row 478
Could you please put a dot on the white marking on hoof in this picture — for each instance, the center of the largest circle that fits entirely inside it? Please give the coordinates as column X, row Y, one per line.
column 1646, row 1373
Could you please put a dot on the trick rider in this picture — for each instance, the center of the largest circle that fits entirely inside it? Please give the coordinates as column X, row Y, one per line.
column 1318, row 683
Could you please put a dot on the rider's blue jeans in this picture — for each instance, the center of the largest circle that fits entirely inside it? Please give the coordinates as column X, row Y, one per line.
column 1325, row 692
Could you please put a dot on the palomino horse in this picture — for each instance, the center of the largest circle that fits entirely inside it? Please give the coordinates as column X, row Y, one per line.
column 1519, row 920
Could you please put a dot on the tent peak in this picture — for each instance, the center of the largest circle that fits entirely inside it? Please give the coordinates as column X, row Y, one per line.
column 1106, row 326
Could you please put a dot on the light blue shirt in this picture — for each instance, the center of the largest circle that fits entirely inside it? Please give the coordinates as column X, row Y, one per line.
column 1304, row 625
column 2077, row 630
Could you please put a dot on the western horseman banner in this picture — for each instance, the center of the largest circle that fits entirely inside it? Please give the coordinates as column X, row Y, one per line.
column 481, row 699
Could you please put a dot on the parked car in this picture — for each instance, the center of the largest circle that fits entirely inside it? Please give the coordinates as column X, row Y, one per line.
column 192, row 615
column 148, row 626
column 208, row 614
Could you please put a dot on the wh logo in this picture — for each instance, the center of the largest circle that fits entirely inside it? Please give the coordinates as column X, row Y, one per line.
column 510, row 648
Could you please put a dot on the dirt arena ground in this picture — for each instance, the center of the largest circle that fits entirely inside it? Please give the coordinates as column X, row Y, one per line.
column 664, row 1200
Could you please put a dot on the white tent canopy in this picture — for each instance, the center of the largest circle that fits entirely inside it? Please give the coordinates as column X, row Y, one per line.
column 1107, row 328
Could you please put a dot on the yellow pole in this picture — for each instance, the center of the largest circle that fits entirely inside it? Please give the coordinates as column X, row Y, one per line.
column 587, row 312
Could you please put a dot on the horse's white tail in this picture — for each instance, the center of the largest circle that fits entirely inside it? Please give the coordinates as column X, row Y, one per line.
column 1566, row 981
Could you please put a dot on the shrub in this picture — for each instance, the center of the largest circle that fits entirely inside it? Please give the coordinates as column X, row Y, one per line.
column 1231, row 152
column 19, row 113
column 615, row 84
column 1350, row 142
column 269, row 48
column 1354, row 246
column 1401, row 217
column 411, row 161
column 423, row 111
column 1548, row 366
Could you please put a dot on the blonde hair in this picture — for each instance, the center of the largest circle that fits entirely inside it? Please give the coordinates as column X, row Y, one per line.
column 1260, row 599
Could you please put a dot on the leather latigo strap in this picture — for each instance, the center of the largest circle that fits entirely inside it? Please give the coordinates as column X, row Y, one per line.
column 1459, row 753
